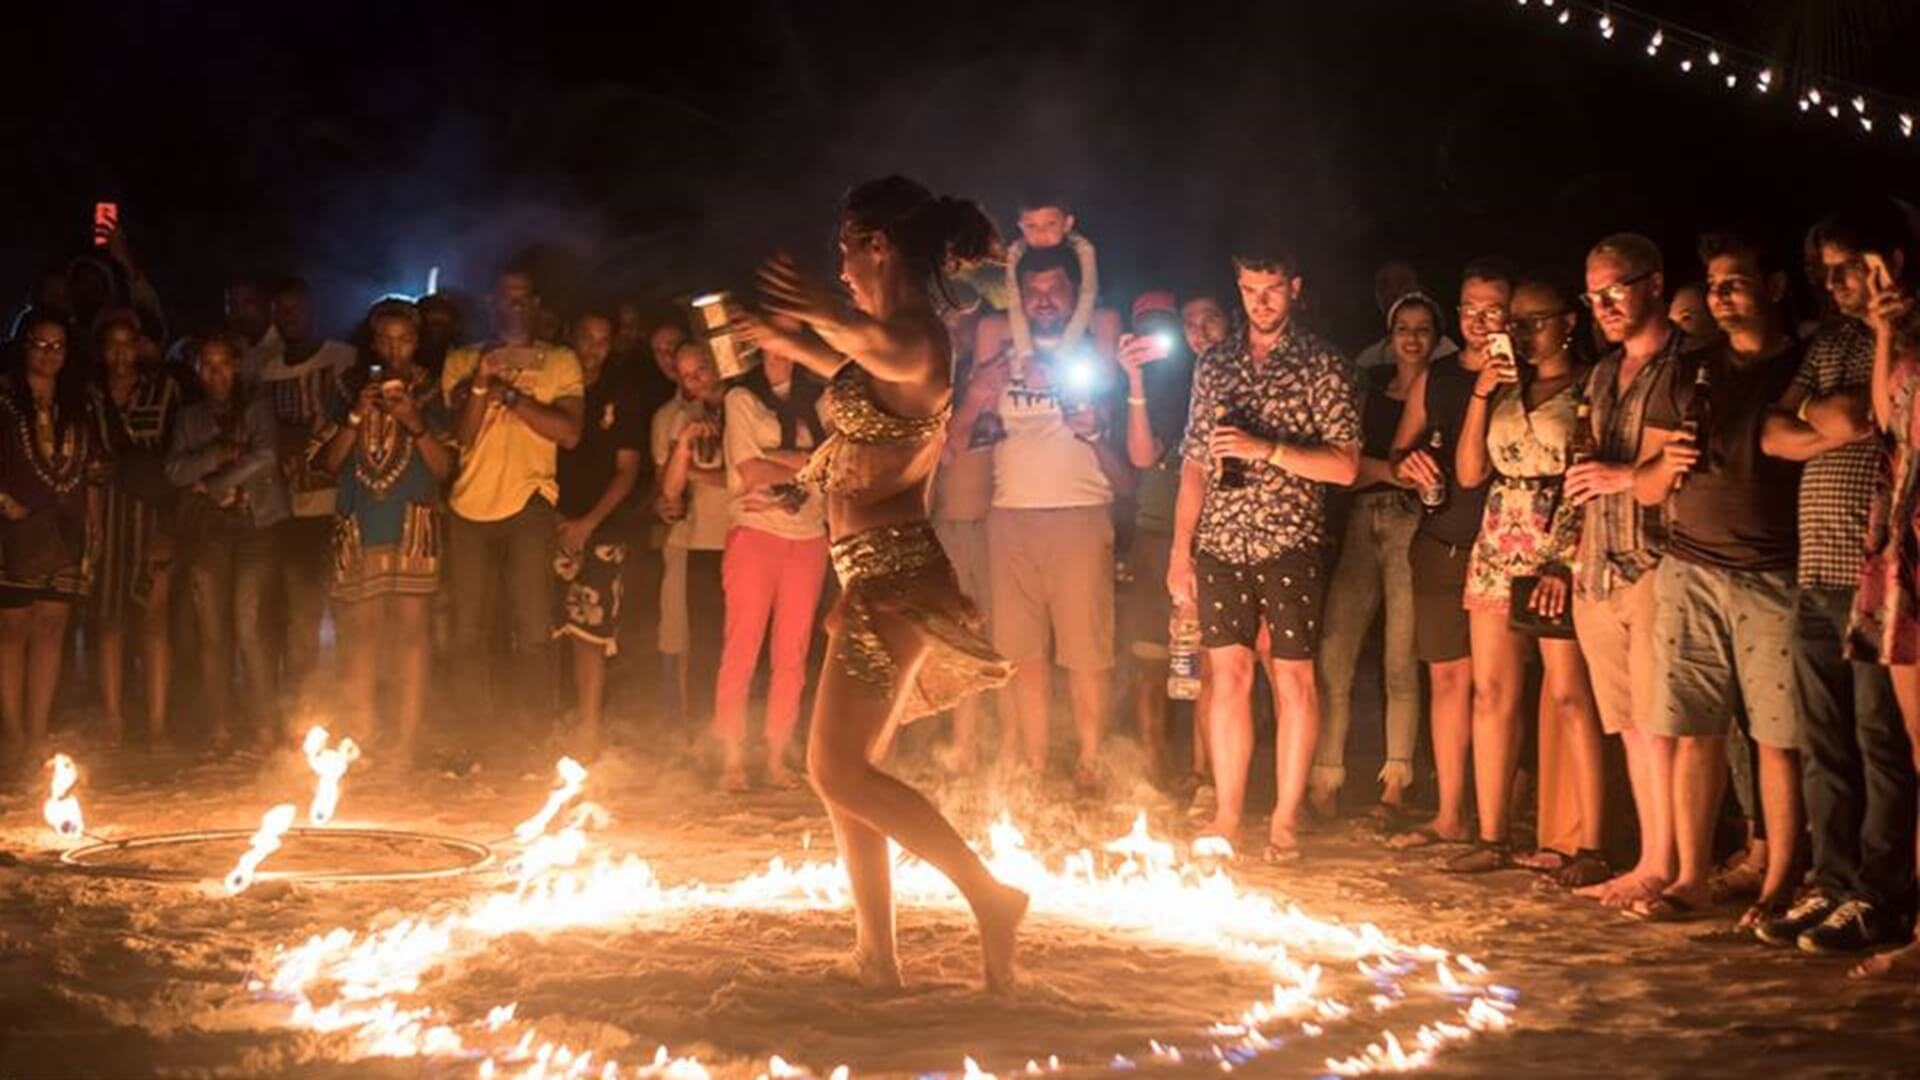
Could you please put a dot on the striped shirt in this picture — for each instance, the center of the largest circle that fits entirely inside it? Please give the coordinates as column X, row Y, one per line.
column 1621, row 540
column 1837, row 487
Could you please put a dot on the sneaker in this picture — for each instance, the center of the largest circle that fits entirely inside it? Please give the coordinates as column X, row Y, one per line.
column 1855, row 926
column 1810, row 911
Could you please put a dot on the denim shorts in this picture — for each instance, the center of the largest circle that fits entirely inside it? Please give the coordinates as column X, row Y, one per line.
column 1723, row 649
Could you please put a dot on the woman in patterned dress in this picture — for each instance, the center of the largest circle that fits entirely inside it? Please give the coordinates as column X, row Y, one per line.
column 135, row 408
column 1885, row 626
column 904, row 642
column 387, row 441
column 1518, row 431
column 48, row 451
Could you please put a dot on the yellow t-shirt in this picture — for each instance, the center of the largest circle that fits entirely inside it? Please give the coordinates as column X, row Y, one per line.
column 508, row 462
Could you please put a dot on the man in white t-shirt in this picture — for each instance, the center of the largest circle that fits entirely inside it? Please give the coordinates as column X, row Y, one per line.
column 1050, row 529
column 775, row 562
column 300, row 381
column 687, row 450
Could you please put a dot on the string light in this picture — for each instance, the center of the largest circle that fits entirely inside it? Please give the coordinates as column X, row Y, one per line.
column 1734, row 64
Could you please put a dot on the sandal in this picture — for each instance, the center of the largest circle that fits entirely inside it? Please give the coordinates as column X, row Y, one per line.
column 1275, row 855
column 1422, row 837
column 1487, row 857
column 1667, row 908
column 1587, row 867
column 1544, row 861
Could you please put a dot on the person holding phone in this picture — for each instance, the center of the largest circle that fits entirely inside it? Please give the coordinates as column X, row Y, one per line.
column 1885, row 627
column 515, row 400
column 387, row 443
column 1519, row 433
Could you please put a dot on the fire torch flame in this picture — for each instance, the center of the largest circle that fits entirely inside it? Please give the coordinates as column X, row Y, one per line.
column 329, row 765
column 572, row 777
column 265, row 842
column 62, row 808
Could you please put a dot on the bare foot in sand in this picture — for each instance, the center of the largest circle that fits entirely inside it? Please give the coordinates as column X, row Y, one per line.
column 999, row 936
column 1898, row 964
column 1632, row 887
column 874, row 972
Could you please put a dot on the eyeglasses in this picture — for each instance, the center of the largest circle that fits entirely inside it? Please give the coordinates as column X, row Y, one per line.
column 47, row 344
column 1615, row 294
column 1492, row 314
column 1529, row 325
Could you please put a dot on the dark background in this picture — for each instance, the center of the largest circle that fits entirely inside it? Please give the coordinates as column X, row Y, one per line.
column 660, row 148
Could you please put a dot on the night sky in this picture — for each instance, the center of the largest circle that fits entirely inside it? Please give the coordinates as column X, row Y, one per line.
column 659, row 148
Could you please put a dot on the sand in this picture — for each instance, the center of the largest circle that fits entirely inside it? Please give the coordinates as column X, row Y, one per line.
column 114, row 978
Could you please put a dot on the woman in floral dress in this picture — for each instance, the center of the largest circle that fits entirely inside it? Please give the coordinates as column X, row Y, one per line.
column 1518, row 431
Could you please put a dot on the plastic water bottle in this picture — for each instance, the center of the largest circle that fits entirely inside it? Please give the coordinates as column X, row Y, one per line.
column 1183, row 655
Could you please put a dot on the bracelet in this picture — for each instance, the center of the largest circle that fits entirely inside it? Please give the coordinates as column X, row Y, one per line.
column 354, row 419
column 1481, row 397
column 478, row 390
column 1133, row 400
column 1274, row 455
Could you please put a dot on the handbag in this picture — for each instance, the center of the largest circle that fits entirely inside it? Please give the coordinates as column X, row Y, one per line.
column 36, row 546
column 1522, row 619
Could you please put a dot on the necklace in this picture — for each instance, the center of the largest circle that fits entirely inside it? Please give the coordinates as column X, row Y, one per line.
column 56, row 459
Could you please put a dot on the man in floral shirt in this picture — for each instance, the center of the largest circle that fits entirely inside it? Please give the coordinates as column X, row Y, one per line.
column 1275, row 419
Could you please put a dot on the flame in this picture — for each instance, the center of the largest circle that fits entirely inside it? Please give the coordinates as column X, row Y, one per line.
column 266, row 840
column 572, row 777
column 329, row 765
column 1137, row 885
column 62, row 808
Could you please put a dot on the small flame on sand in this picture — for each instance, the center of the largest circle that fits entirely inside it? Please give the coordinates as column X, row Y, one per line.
column 62, row 808
column 572, row 777
column 266, row 841
column 329, row 765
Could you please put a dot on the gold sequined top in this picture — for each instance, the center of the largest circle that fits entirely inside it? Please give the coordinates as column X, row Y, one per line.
column 871, row 454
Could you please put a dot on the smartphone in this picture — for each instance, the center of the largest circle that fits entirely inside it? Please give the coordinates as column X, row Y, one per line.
column 1500, row 349
column 1879, row 278
column 376, row 374
column 106, row 222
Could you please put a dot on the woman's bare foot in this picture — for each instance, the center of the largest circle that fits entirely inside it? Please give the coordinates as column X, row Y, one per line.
column 1903, row 963
column 999, row 936
column 870, row 970
column 1632, row 887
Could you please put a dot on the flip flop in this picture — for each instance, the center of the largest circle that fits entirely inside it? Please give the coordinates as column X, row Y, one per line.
column 1761, row 912
column 1422, row 837
column 1543, row 861
column 1667, row 908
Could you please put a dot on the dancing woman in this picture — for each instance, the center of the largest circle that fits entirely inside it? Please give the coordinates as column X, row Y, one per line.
column 903, row 640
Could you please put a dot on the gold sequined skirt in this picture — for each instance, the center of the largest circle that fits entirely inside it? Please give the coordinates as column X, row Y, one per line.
column 902, row 571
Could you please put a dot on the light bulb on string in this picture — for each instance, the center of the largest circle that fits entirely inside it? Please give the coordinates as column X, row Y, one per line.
column 1732, row 80
column 1866, row 124
column 1565, row 17
column 1653, row 45
column 1805, row 105
column 1859, row 104
column 1906, row 124
column 1606, row 27
column 1713, row 57
column 1686, row 65
column 1813, row 95
column 1833, row 111
column 1766, row 79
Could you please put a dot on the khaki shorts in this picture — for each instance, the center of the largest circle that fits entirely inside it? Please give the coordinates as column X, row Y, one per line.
column 1053, row 577
column 1616, row 637
column 1440, row 625
column 1724, row 642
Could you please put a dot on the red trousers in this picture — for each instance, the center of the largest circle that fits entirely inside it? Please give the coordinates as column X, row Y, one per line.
column 768, row 579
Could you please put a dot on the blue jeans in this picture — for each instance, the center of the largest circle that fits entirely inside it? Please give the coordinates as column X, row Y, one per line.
column 233, row 567
column 1373, row 566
